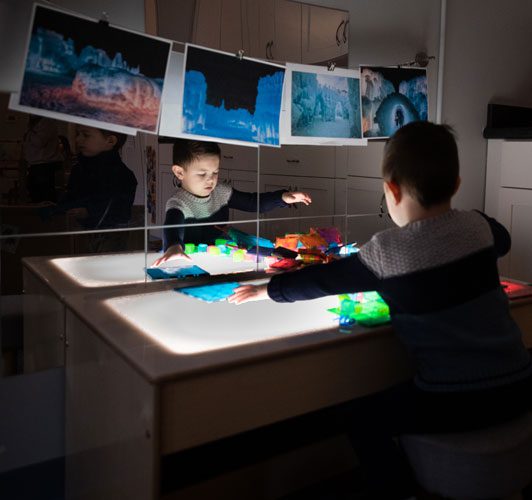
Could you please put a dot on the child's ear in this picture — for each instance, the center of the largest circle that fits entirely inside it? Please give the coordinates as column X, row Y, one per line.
column 394, row 189
column 178, row 171
column 458, row 182
column 112, row 140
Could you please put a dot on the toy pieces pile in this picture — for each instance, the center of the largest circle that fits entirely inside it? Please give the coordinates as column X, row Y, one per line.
column 316, row 247
column 364, row 308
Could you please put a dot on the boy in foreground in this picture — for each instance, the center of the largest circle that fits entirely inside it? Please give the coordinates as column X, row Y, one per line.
column 438, row 273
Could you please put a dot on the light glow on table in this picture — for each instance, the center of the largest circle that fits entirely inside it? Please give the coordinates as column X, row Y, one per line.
column 128, row 268
column 185, row 325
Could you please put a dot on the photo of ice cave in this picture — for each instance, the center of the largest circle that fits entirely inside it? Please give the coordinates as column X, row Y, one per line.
column 82, row 68
column 325, row 105
column 228, row 98
column 391, row 98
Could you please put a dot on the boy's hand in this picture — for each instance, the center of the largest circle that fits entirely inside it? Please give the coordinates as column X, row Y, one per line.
column 248, row 293
column 297, row 197
column 172, row 253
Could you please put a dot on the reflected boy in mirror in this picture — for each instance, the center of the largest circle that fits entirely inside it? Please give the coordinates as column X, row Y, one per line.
column 199, row 198
column 101, row 188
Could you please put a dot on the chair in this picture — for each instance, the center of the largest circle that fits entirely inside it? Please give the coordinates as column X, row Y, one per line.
column 495, row 462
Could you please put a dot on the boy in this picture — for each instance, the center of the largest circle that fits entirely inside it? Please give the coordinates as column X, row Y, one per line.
column 438, row 273
column 101, row 188
column 200, row 199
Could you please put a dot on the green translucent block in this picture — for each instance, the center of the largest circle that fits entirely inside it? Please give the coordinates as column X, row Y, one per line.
column 239, row 255
column 220, row 241
column 364, row 308
column 190, row 248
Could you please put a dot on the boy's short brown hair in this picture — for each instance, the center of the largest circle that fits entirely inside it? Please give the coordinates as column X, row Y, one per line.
column 120, row 138
column 423, row 157
column 185, row 151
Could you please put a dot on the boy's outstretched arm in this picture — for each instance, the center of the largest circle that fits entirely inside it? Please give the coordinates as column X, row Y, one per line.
column 501, row 237
column 267, row 201
column 341, row 276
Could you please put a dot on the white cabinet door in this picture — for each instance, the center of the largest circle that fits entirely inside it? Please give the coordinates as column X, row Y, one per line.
column 515, row 213
column 325, row 34
column 363, row 206
column 207, row 26
column 238, row 158
column 318, row 214
column 308, row 161
column 272, row 29
column 246, row 182
column 231, row 26
column 286, row 45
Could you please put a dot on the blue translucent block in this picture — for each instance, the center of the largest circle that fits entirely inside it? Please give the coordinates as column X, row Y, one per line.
column 202, row 247
column 164, row 273
column 210, row 293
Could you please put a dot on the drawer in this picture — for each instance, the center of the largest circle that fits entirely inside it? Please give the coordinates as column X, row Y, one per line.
column 308, row 161
column 516, row 164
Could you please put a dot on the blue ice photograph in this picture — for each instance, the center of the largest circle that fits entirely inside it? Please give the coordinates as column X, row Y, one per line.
column 391, row 98
column 83, row 68
column 225, row 97
column 325, row 105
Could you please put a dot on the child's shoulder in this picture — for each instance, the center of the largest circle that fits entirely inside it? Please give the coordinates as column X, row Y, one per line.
column 427, row 243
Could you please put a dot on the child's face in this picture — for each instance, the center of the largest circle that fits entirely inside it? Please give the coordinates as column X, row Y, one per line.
column 201, row 176
column 91, row 142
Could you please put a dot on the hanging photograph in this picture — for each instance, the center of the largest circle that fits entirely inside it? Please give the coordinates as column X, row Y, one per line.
column 84, row 71
column 231, row 99
column 391, row 98
column 321, row 106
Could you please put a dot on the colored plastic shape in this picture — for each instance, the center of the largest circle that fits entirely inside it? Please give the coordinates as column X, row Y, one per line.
column 210, row 293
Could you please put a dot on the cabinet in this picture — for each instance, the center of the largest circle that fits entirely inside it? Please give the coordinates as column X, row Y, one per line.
column 325, row 34
column 319, row 213
column 363, row 203
column 509, row 200
column 218, row 24
column 310, row 161
column 515, row 213
column 273, row 30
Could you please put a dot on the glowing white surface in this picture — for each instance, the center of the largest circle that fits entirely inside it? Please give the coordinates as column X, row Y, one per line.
column 128, row 268
column 185, row 325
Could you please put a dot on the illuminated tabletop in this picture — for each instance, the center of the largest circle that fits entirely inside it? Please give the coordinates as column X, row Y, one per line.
column 186, row 325
column 91, row 272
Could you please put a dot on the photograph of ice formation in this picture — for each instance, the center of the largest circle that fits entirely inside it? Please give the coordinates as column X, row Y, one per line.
column 324, row 104
column 89, row 70
column 227, row 98
column 391, row 98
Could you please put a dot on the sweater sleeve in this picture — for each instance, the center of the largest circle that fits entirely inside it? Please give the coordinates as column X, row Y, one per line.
column 248, row 201
column 501, row 237
column 173, row 235
column 342, row 276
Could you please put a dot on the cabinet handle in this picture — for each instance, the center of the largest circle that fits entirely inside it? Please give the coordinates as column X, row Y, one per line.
column 267, row 47
column 344, row 36
column 228, row 157
column 271, row 49
column 338, row 42
column 292, row 161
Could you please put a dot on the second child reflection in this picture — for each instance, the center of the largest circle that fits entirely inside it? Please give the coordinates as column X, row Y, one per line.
column 101, row 188
column 199, row 198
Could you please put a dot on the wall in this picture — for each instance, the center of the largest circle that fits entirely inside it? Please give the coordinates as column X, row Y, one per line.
column 488, row 54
